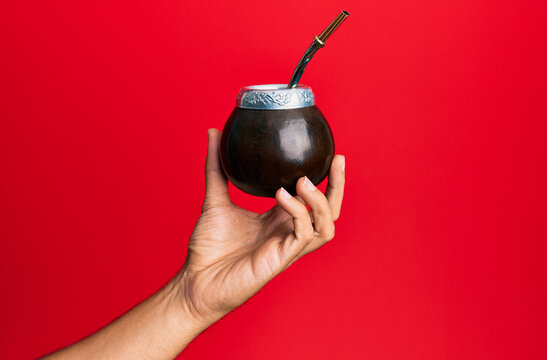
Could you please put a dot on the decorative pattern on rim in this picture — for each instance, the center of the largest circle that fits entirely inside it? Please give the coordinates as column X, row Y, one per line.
column 267, row 98
column 274, row 97
column 306, row 96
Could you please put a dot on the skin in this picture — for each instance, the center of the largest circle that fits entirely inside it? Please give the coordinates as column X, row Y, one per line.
column 232, row 254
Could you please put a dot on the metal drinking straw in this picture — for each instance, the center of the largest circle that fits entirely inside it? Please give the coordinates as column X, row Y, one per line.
column 318, row 43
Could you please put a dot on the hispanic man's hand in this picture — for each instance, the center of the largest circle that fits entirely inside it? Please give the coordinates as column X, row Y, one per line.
column 234, row 252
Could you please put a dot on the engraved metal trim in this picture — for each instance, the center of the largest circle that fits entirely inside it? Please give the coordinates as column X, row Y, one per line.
column 275, row 97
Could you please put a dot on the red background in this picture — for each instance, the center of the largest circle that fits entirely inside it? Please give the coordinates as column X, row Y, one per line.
column 439, row 107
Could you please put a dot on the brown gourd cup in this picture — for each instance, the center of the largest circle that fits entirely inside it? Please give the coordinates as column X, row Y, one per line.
column 274, row 136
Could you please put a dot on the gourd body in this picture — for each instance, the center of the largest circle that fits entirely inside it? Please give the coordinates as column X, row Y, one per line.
column 263, row 150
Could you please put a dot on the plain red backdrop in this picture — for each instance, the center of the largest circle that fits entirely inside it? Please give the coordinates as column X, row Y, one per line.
column 439, row 107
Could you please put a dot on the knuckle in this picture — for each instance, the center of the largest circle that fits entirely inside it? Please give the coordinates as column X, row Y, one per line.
column 323, row 209
column 301, row 210
column 306, row 236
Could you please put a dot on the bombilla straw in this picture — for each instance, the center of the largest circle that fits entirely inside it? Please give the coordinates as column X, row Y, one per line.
column 318, row 43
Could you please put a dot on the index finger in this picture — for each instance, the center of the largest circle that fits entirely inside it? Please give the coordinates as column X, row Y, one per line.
column 335, row 187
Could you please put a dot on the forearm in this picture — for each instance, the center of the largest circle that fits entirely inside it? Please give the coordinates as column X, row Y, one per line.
column 158, row 328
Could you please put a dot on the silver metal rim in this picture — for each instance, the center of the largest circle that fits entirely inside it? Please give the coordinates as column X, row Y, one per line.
column 275, row 97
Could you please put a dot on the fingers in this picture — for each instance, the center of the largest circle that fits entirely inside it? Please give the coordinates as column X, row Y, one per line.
column 216, row 184
column 335, row 188
column 319, row 207
column 303, row 228
column 317, row 228
column 324, row 224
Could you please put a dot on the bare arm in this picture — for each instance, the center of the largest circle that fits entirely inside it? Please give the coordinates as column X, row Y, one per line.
column 232, row 254
column 158, row 328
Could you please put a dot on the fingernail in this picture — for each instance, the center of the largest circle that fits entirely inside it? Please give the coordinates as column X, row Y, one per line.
column 285, row 194
column 344, row 164
column 309, row 185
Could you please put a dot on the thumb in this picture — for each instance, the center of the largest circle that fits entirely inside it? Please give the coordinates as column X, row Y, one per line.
column 216, row 184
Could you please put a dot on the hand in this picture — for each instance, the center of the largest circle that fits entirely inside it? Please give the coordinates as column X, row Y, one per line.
column 231, row 255
column 234, row 252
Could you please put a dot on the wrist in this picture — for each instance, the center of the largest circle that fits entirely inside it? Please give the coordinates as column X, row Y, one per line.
column 196, row 301
column 183, row 321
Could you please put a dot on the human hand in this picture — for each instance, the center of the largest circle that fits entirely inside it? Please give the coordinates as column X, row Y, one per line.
column 234, row 252
column 231, row 255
